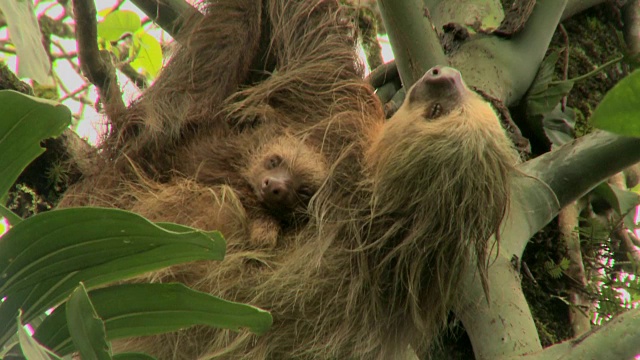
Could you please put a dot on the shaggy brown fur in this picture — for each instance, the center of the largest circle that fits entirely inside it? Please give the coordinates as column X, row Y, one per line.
column 407, row 206
column 283, row 175
column 216, row 53
column 275, row 175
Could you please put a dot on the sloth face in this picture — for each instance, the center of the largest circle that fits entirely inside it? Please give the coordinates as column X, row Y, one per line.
column 438, row 92
column 439, row 102
column 284, row 174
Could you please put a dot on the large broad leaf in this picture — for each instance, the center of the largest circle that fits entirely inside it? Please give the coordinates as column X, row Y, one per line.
column 618, row 110
column 149, row 53
column 31, row 349
column 24, row 32
column 26, row 121
column 43, row 258
column 118, row 23
column 12, row 217
column 153, row 309
column 86, row 328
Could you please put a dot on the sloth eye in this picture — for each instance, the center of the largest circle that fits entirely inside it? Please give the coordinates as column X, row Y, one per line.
column 305, row 192
column 272, row 162
column 435, row 111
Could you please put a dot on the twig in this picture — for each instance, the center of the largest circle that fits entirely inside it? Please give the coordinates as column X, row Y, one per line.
column 568, row 226
column 565, row 70
column 139, row 80
column 7, row 50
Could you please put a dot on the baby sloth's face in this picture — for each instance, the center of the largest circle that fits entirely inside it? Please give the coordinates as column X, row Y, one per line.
column 285, row 174
column 279, row 187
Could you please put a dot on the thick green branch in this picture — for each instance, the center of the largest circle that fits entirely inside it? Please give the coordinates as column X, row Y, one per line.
column 574, row 169
column 414, row 41
column 506, row 68
column 505, row 328
column 617, row 339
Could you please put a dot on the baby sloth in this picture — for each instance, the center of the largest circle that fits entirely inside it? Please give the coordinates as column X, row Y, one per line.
column 283, row 174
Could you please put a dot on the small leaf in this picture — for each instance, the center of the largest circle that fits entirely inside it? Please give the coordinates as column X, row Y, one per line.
column 26, row 121
column 86, row 328
column 543, row 102
column 31, row 349
column 118, row 23
column 545, row 73
column 149, row 53
column 544, row 95
column 555, row 271
column 618, row 110
column 153, row 309
column 558, row 126
column 564, row 264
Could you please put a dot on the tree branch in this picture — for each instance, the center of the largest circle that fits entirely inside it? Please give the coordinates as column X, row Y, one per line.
column 168, row 14
column 576, row 168
column 504, row 327
column 414, row 41
column 551, row 181
column 617, row 339
column 96, row 65
column 506, row 68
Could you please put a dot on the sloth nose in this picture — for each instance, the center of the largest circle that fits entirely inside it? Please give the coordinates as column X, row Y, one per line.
column 274, row 189
column 439, row 82
column 443, row 74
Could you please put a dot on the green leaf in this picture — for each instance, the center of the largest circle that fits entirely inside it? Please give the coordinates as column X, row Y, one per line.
column 618, row 110
column 60, row 242
column 558, row 126
column 556, row 270
column 153, row 309
column 26, row 121
column 545, row 73
column 31, row 349
column 544, row 95
column 117, row 24
column 43, row 258
column 149, row 53
column 12, row 217
column 543, row 102
column 86, row 328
